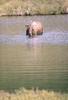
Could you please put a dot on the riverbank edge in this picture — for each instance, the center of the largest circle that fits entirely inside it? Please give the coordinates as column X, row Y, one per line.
column 24, row 94
column 13, row 15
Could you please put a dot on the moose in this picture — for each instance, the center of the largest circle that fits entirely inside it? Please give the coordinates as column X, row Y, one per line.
column 34, row 29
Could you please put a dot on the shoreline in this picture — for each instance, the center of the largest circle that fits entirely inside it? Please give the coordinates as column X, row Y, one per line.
column 24, row 94
column 34, row 15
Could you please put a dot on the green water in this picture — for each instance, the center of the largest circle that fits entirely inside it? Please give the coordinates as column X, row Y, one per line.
column 29, row 65
column 43, row 66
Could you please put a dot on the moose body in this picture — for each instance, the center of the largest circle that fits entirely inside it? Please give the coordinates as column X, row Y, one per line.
column 35, row 28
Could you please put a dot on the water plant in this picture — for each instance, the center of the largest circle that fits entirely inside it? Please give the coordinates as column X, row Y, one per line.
column 24, row 94
column 33, row 7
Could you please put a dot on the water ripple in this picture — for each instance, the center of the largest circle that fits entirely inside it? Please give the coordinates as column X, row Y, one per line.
column 49, row 37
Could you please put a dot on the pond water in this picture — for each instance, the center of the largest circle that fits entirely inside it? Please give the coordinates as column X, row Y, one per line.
column 34, row 62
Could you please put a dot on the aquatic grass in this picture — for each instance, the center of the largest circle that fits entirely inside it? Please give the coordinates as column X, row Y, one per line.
column 24, row 94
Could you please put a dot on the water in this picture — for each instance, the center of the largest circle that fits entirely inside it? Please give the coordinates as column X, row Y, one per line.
column 38, row 62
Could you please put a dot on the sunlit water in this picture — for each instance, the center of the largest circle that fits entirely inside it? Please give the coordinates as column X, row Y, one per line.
column 34, row 62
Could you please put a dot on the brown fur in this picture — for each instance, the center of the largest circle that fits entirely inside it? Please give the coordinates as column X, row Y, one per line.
column 35, row 28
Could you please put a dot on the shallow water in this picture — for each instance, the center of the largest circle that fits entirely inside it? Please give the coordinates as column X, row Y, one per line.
column 59, row 38
column 34, row 62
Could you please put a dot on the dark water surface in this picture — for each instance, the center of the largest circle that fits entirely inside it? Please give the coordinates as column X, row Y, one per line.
column 38, row 62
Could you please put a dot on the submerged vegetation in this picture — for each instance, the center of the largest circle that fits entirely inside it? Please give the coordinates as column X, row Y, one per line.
column 24, row 94
column 33, row 7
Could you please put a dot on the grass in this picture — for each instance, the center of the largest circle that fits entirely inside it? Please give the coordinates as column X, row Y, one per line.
column 23, row 94
column 32, row 7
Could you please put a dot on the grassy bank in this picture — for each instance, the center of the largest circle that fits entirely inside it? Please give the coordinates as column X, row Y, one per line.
column 24, row 94
column 33, row 7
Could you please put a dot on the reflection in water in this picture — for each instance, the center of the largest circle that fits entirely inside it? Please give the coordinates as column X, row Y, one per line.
column 34, row 48
column 33, row 65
